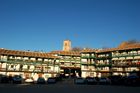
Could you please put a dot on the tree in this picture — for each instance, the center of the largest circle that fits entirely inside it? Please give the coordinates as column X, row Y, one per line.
column 129, row 42
column 77, row 49
column 133, row 41
column 104, row 47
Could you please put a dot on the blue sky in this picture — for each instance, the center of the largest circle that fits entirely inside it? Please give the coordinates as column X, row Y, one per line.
column 44, row 24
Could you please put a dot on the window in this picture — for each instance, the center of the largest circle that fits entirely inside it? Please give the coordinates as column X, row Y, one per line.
column 12, row 66
column 87, row 55
column 83, row 55
column 84, row 60
column 45, row 59
column 92, row 54
column 85, row 67
column 39, row 59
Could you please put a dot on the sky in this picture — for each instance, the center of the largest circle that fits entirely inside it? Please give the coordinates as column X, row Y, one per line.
column 43, row 25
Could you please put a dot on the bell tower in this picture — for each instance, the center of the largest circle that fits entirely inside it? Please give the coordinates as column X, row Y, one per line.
column 66, row 45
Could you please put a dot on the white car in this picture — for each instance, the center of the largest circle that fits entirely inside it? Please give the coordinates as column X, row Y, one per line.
column 29, row 80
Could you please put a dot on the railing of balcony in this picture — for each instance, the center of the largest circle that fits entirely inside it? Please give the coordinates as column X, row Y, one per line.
column 103, row 65
column 88, row 57
column 125, row 55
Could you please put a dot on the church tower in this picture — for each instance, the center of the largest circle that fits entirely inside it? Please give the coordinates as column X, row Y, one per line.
column 66, row 45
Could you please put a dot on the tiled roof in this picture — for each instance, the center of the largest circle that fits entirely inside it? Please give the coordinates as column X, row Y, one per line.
column 26, row 53
column 106, row 50
column 128, row 47
column 66, row 53
column 88, row 50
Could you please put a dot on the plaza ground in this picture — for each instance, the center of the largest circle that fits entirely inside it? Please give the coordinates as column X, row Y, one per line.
column 66, row 87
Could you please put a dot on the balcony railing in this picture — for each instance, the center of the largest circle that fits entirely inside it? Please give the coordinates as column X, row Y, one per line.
column 125, row 55
column 28, row 62
column 103, row 65
column 88, row 63
column 126, row 65
column 85, row 57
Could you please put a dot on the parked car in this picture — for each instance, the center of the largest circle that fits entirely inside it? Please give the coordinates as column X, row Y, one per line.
column 17, row 79
column 4, row 79
column 116, row 79
column 104, row 80
column 51, row 80
column 91, row 80
column 79, row 80
column 59, row 78
column 132, row 81
column 41, row 80
column 29, row 80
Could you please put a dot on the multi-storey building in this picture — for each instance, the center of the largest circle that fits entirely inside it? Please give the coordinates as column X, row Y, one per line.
column 126, row 60
column 69, row 62
column 113, row 61
column 103, row 62
column 88, row 62
column 28, row 64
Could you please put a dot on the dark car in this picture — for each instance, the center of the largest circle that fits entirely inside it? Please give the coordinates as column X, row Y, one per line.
column 104, row 81
column 79, row 80
column 17, row 79
column 91, row 80
column 41, row 80
column 116, row 79
column 132, row 81
column 51, row 80
column 59, row 78
column 4, row 79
